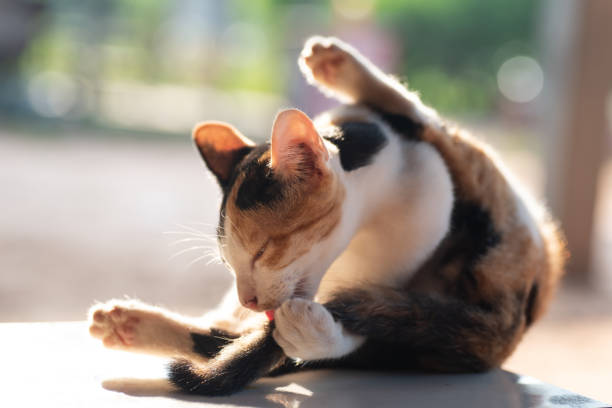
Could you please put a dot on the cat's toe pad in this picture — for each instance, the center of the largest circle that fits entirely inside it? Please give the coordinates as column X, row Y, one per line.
column 114, row 324
column 329, row 62
column 306, row 330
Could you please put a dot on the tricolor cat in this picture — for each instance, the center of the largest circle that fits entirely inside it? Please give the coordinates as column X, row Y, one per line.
column 381, row 238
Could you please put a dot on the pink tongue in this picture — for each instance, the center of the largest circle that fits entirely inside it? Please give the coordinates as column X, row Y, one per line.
column 270, row 314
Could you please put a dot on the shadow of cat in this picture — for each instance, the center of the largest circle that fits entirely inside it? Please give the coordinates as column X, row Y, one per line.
column 256, row 395
column 340, row 388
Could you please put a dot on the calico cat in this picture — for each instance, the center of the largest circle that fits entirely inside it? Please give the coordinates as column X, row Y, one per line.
column 379, row 235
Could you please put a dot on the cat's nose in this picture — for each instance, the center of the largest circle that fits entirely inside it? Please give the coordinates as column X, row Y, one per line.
column 251, row 303
column 247, row 294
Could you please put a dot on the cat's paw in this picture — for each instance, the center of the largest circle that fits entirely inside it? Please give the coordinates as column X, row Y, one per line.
column 306, row 330
column 334, row 65
column 115, row 323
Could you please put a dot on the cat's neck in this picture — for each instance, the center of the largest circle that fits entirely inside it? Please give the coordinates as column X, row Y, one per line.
column 366, row 190
column 395, row 213
column 370, row 187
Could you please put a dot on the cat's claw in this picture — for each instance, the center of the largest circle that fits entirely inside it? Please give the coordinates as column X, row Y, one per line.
column 114, row 324
column 306, row 330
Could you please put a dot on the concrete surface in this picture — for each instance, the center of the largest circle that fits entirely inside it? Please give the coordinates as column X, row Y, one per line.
column 83, row 218
column 58, row 365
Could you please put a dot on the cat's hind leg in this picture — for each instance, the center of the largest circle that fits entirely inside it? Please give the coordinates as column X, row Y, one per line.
column 407, row 329
column 134, row 326
column 340, row 70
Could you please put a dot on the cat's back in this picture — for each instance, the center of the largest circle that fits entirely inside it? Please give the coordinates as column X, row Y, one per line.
column 502, row 242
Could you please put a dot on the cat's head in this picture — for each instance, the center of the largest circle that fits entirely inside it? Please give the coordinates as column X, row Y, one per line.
column 281, row 201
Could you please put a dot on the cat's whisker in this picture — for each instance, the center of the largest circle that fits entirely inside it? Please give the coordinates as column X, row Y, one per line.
column 214, row 260
column 188, row 228
column 208, row 237
column 181, row 252
column 187, row 240
column 185, row 233
column 212, row 251
column 195, row 260
column 206, row 224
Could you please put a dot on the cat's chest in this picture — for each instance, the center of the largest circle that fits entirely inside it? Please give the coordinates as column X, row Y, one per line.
column 376, row 255
column 404, row 226
column 387, row 252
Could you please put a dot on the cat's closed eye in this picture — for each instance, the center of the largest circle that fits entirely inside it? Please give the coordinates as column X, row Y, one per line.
column 260, row 252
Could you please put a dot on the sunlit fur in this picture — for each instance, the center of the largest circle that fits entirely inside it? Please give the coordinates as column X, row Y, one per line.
column 421, row 253
column 290, row 229
column 359, row 222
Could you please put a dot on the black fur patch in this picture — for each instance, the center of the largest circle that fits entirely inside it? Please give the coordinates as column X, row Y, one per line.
column 529, row 308
column 473, row 233
column 259, row 187
column 232, row 374
column 402, row 124
column 209, row 345
column 358, row 143
column 262, row 188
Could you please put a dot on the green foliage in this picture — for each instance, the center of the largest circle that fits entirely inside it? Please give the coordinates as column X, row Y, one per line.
column 456, row 94
column 452, row 49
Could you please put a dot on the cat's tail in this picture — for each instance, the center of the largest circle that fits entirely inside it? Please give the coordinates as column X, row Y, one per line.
column 238, row 364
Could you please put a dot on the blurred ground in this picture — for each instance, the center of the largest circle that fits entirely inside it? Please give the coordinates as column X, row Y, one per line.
column 84, row 219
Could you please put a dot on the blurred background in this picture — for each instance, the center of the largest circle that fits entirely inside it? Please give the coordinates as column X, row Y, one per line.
column 102, row 194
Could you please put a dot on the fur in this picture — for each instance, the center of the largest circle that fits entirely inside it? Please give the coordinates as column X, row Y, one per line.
column 382, row 237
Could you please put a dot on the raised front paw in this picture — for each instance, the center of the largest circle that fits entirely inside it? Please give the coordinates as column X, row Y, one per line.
column 306, row 330
column 115, row 323
column 333, row 64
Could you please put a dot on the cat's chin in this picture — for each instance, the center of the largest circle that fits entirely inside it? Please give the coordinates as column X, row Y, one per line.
column 304, row 289
column 273, row 305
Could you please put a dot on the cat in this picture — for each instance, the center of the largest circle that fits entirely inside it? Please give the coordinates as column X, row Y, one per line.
column 380, row 236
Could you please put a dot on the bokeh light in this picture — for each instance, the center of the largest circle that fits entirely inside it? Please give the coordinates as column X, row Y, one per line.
column 520, row 79
column 52, row 94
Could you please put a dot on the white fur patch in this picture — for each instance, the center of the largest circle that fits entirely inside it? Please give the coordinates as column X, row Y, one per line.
column 400, row 207
column 306, row 330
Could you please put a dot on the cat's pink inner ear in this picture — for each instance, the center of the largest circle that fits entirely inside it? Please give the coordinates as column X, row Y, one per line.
column 218, row 143
column 296, row 144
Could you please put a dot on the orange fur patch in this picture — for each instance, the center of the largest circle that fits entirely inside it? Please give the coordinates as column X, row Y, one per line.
column 307, row 213
column 516, row 263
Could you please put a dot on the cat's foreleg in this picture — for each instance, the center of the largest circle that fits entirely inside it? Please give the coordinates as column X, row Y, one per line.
column 340, row 70
column 134, row 326
column 301, row 329
column 241, row 362
column 307, row 331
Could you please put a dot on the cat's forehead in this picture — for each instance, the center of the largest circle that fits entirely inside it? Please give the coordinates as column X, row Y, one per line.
column 254, row 196
column 257, row 203
column 255, row 184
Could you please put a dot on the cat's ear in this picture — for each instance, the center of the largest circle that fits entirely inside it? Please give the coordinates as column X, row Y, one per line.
column 221, row 146
column 297, row 148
